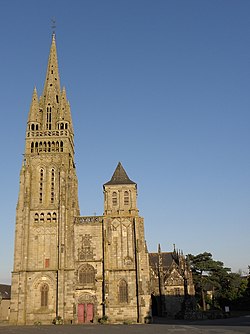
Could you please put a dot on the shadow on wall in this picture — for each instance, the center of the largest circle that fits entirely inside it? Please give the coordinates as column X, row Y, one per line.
column 173, row 307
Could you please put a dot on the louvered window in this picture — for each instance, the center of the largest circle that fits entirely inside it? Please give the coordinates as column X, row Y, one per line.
column 114, row 198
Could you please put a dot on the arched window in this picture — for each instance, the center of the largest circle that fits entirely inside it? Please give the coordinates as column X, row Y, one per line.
column 61, row 146
column 49, row 146
column 41, row 185
column 123, row 291
column 42, row 217
column 44, row 295
column 52, row 186
column 36, row 218
column 126, row 198
column 48, row 120
column 32, row 148
column 54, row 217
column 114, row 198
column 48, row 217
column 87, row 274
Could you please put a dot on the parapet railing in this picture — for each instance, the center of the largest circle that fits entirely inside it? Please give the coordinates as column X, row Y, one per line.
column 88, row 219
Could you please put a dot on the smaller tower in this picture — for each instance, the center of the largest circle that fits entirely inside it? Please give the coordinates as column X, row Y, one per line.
column 126, row 268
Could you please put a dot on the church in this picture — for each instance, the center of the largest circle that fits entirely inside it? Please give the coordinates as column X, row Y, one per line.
column 76, row 268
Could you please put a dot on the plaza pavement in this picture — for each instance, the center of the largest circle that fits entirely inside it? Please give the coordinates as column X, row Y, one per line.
column 220, row 326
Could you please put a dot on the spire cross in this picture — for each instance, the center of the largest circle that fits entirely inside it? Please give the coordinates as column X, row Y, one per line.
column 53, row 25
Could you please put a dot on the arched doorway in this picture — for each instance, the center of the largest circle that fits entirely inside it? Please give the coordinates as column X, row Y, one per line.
column 85, row 309
column 85, row 313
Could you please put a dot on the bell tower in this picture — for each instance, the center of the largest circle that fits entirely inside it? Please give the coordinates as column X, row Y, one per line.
column 126, row 269
column 47, row 205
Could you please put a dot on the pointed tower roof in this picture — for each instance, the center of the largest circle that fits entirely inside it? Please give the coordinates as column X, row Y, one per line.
column 119, row 177
column 52, row 76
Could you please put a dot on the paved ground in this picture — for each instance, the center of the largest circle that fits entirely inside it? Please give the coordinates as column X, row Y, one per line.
column 223, row 326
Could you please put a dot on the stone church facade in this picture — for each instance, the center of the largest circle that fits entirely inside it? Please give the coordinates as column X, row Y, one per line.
column 78, row 268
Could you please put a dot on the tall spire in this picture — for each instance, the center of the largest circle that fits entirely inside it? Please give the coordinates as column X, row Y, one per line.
column 52, row 80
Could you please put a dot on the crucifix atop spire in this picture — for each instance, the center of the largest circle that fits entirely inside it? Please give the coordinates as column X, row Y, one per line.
column 53, row 26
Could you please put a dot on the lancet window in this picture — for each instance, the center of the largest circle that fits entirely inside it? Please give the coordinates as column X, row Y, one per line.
column 123, row 291
column 48, row 217
column 52, row 186
column 49, row 118
column 44, row 295
column 36, row 218
column 54, row 217
column 42, row 217
column 41, row 185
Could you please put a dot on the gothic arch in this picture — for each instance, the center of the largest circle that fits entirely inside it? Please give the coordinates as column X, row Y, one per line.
column 41, row 278
column 86, row 275
column 86, row 298
column 42, row 292
column 39, row 167
column 123, row 291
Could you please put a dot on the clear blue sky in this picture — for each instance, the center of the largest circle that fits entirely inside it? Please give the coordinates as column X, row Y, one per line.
column 162, row 86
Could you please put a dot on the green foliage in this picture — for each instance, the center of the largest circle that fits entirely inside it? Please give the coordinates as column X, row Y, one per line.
column 215, row 284
column 58, row 320
column 148, row 319
column 103, row 320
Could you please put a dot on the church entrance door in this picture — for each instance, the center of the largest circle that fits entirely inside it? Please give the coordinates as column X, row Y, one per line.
column 80, row 313
column 90, row 313
column 85, row 313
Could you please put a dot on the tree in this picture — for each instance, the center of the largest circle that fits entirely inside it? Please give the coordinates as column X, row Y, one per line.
column 201, row 266
column 211, row 276
column 217, row 285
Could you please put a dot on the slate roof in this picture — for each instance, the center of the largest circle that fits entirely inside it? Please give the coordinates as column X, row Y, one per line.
column 5, row 291
column 167, row 259
column 119, row 177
